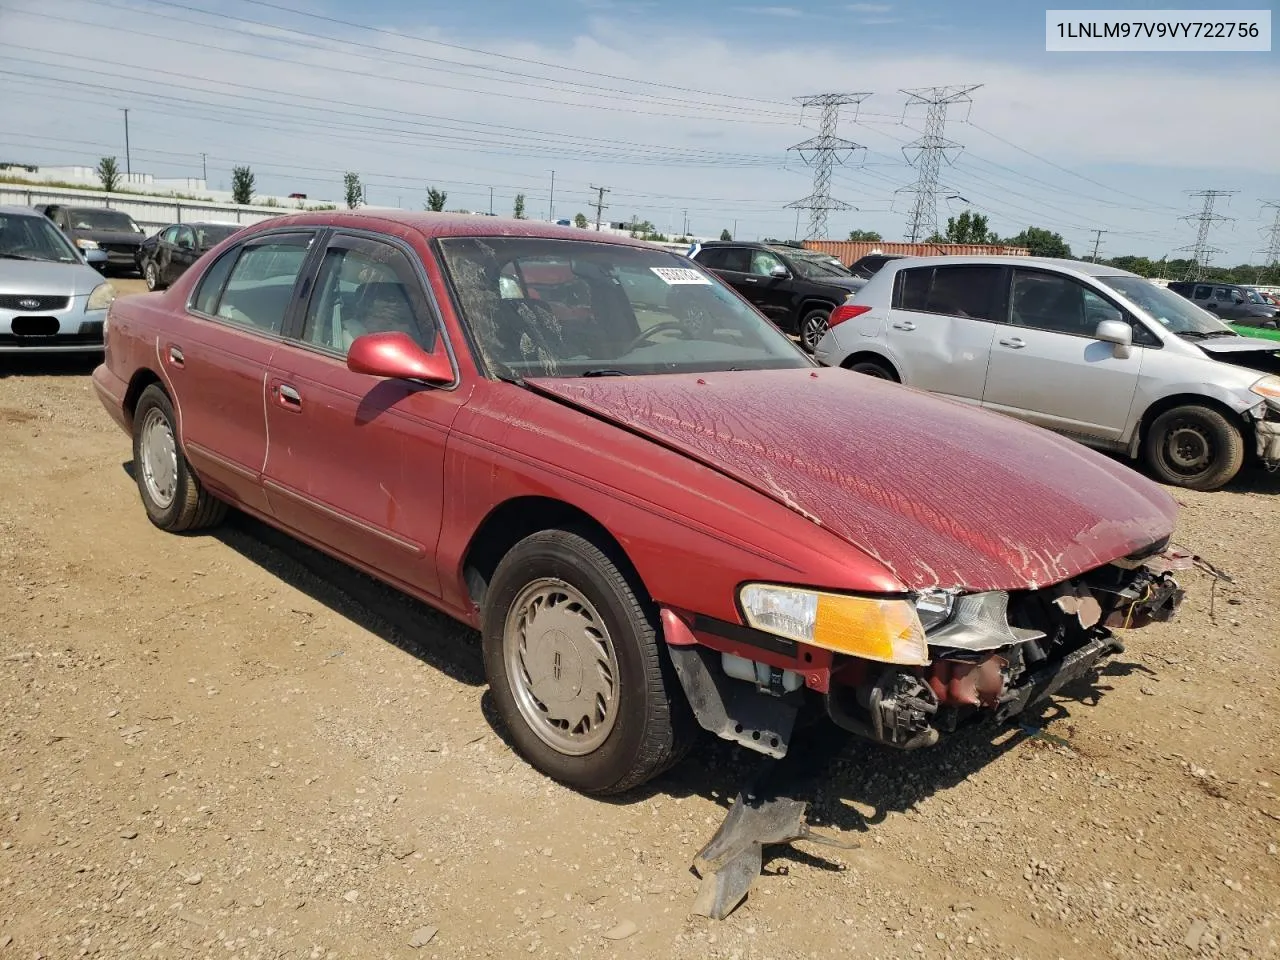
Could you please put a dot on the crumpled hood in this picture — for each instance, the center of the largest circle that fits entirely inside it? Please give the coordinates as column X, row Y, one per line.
column 1239, row 344
column 942, row 494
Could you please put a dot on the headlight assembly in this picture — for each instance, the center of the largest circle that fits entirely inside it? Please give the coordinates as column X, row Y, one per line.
column 870, row 627
column 87, row 244
column 101, row 298
column 1268, row 386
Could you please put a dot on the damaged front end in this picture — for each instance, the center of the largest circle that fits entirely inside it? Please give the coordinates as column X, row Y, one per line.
column 993, row 653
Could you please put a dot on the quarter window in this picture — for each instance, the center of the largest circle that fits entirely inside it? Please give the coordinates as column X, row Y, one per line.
column 960, row 291
column 363, row 287
column 260, row 287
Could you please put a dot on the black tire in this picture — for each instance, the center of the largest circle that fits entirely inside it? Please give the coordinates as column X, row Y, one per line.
column 813, row 325
column 873, row 368
column 191, row 506
column 1194, row 447
column 652, row 727
column 151, row 275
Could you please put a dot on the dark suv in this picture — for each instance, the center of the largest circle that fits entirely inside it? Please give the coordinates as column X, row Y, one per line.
column 794, row 288
column 113, row 232
column 1230, row 301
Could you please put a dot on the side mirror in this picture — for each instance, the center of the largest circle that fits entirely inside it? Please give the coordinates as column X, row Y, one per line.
column 1116, row 332
column 780, row 272
column 1239, row 299
column 184, row 244
column 396, row 356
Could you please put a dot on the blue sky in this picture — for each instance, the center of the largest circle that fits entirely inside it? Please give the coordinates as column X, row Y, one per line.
column 681, row 109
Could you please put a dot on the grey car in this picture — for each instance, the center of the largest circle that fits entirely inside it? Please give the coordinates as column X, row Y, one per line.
column 1097, row 354
column 1231, row 301
column 51, row 300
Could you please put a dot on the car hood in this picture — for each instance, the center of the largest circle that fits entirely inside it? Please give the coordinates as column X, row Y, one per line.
column 47, row 278
column 942, row 494
column 1241, row 344
column 119, row 237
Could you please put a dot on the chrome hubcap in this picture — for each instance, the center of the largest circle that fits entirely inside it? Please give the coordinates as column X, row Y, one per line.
column 159, row 457
column 1188, row 449
column 561, row 667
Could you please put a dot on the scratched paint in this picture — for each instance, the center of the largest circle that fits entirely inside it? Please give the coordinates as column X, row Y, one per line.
column 943, row 494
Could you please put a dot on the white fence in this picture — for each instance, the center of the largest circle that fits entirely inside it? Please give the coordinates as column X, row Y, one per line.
column 150, row 212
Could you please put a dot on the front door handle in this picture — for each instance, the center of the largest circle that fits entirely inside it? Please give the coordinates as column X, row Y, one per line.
column 903, row 325
column 1016, row 343
column 176, row 357
column 289, row 397
column 750, row 280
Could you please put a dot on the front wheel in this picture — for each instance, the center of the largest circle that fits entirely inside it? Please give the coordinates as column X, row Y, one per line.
column 151, row 274
column 813, row 327
column 1194, row 447
column 576, row 669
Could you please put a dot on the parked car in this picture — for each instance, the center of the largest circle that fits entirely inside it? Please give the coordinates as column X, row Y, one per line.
column 164, row 256
column 51, row 300
column 652, row 515
column 98, row 228
column 1230, row 301
column 796, row 291
column 864, row 268
column 1102, row 356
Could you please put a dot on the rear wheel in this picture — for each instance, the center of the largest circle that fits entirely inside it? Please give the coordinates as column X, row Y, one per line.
column 872, row 368
column 576, row 669
column 173, row 496
column 813, row 326
column 1194, row 447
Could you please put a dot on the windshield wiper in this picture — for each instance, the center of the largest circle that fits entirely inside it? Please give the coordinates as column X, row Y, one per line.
column 1193, row 334
column 14, row 256
column 604, row 372
column 1220, row 333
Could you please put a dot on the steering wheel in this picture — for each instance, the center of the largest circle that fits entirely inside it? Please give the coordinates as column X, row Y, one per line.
column 655, row 329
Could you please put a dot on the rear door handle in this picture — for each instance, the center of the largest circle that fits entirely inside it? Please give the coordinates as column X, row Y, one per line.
column 289, row 397
column 903, row 325
column 1017, row 343
column 176, row 357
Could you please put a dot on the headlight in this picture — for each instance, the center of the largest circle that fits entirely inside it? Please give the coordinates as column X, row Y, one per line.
column 1268, row 387
column 87, row 244
column 869, row 627
column 101, row 297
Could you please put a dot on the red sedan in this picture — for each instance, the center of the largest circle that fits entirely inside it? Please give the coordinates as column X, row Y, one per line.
column 651, row 504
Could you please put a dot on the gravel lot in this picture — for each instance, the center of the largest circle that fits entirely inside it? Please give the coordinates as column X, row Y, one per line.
column 228, row 746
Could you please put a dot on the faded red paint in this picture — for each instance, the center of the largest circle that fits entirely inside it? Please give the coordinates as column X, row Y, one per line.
column 942, row 494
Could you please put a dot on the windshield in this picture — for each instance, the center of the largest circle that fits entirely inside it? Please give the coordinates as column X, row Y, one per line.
column 211, row 234
column 1254, row 296
column 33, row 238
column 811, row 268
column 1173, row 312
column 93, row 219
column 564, row 308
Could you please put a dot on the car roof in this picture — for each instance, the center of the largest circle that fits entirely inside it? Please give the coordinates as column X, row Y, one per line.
column 433, row 225
column 12, row 210
column 1077, row 266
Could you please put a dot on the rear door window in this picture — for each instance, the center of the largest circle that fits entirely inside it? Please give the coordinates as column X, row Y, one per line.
column 970, row 291
column 252, row 286
column 712, row 258
column 737, row 259
column 1202, row 293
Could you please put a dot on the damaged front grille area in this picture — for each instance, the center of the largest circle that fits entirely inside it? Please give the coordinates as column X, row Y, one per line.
column 1001, row 653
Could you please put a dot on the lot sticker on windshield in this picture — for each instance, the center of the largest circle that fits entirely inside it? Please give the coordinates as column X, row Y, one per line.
column 678, row 275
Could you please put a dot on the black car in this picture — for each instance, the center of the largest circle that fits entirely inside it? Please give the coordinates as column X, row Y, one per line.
column 113, row 232
column 795, row 289
column 164, row 257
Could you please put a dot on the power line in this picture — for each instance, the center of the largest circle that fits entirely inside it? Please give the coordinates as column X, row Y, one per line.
column 822, row 153
column 930, row 150
column 1201, row 251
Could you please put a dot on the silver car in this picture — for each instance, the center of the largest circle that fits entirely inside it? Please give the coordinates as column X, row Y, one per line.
column 1095, row 353
column 51, row 300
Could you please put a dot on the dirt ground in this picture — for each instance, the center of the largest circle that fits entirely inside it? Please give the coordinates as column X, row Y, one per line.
column 226, row 745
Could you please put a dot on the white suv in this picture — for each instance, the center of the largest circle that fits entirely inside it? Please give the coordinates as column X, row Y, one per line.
column 1100, row 355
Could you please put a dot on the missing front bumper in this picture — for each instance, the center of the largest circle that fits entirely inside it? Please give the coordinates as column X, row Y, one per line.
column 1267, row 433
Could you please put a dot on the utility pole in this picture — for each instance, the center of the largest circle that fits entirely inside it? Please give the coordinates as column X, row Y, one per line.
column 930, row 150
column 204, row 168
column 1097, row 241
column 1271, row 255
column 551, row 204
column 685, row 231
column 600, row 205
column 491, row 201
column 1201, row 251
column 734, row 235
column 822, row 153
column 128, row 166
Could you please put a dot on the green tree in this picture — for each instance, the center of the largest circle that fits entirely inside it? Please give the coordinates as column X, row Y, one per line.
column 242, row 183
column 969, row 227
column 871, row 236
column 109, row 173
column 726, row 235
column 436, row 199
column 1041, row 243
column 519, row 206
column 354, row 190
column 580, row 221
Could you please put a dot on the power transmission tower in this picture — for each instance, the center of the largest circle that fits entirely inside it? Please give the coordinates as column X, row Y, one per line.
column 1097, row 242
column 600, row 205
column 1201, row 251
column 930, row 150
column 1271, row 253
column 822, row 153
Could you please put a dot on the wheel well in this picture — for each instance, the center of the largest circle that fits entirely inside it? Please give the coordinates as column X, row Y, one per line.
column 141, row 380
column 512, row 521
column 1165, row 404
column 865, row 357
column 807, row 305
